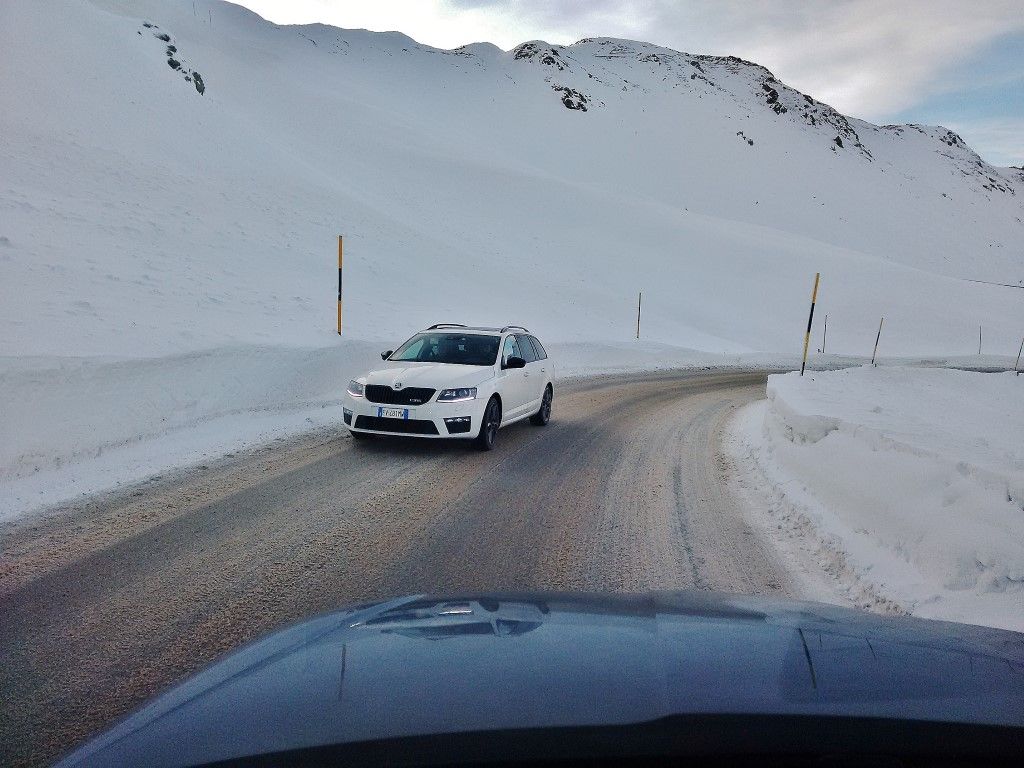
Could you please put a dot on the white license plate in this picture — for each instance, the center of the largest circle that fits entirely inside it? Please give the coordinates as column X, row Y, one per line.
column 393, row 413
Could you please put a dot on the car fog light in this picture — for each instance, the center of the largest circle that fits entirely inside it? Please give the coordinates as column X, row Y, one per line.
column 457, row 424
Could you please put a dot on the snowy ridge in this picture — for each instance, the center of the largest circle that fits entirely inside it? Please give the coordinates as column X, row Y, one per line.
column 654, row 68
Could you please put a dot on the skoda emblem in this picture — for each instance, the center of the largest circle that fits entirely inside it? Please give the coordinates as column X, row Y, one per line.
column 398, row 385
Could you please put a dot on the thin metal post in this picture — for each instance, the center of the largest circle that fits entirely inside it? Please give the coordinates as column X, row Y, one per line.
column 875, row 353
column 639, row 302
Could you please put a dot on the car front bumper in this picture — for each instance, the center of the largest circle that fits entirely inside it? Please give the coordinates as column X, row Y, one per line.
column 459, row 420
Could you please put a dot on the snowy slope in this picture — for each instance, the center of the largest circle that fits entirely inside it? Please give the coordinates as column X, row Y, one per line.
column 172, row 182
column 142, row 218
column 908, row 483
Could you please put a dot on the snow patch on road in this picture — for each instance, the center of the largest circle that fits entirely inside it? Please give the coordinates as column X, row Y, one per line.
column 904, row 486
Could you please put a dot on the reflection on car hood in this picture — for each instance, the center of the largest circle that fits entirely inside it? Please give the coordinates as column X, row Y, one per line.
column 432, row 375
column 425, row 665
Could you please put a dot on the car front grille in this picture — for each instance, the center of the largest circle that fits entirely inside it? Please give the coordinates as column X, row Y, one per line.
column 400, row 426
column 376, row 393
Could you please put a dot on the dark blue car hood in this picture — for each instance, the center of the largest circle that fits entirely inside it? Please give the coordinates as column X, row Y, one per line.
column 424, row 665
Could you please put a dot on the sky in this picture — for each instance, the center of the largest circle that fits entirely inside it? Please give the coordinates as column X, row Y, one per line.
column 958, row 63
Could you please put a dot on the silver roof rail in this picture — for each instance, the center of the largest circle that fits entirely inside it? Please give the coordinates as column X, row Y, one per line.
column 516, row 327
column 446, row 325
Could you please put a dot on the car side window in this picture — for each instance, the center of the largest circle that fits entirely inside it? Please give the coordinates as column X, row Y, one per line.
column 511, row 349
column 541, row 353
column 529, row 355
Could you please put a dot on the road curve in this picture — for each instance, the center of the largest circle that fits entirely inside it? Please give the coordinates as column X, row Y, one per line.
column 105, row 603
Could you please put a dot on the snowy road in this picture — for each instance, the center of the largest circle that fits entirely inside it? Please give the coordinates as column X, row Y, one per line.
column 105, row 604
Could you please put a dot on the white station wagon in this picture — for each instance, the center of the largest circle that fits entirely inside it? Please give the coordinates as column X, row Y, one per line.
column 453, row 381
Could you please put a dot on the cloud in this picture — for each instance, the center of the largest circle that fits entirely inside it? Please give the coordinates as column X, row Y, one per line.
column 868, row 58
column 865, row 57
column 1001, row 138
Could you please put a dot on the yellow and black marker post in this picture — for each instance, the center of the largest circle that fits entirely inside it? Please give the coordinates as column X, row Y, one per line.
column 340, row 254
column 810, row 319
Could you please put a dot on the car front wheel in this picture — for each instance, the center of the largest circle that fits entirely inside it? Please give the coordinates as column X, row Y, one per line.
column 543, row 416
column 489, row 425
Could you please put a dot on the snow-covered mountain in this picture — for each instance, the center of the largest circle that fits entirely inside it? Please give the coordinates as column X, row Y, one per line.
column 174, row 176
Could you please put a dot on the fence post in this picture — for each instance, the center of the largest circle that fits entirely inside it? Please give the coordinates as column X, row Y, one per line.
column 979, row 339
column 1018, row 357
column 810, row 318
column 875, row 353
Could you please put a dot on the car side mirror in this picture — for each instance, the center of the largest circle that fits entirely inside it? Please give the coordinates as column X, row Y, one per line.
column 515, row 362
column 386, row 355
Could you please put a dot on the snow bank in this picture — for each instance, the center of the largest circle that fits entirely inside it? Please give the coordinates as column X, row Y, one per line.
column 77, row 425
column 912, row 480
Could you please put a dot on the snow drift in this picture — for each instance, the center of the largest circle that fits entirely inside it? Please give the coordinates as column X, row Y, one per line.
column 914, row 476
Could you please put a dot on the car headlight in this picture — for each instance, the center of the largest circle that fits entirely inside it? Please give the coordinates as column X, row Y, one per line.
column 457, row 395
column 355, row 388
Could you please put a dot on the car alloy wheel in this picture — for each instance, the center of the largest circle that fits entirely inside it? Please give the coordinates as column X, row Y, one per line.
column 489, row 428
column 542, row 416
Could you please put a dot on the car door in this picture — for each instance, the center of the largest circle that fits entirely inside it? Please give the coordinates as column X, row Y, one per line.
column 546, row 369
column 515, row 392
column 542, row 358
column 533, row 376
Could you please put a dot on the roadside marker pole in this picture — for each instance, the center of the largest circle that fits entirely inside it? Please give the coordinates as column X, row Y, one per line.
column 810, row 318
column 1018, row 357
column 340, row 254
column 824, row 333
column 979, row 339
column 639, row 302
column 875, row 353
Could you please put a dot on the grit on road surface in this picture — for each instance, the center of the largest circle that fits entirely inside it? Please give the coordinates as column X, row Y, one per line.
column 106, row 603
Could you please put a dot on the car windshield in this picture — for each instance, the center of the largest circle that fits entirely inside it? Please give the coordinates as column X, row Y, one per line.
column 455, row 348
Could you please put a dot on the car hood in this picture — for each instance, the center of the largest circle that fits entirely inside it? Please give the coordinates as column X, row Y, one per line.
column 472, row 663
column 431, row 375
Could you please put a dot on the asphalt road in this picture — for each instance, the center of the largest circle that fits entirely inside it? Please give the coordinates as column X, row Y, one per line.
column 105, row 603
